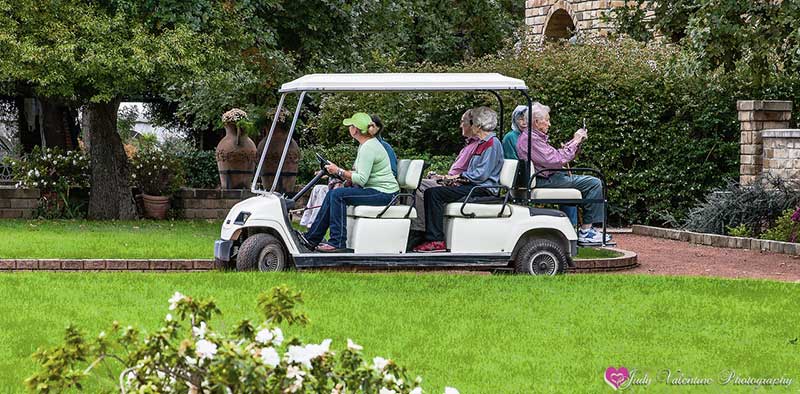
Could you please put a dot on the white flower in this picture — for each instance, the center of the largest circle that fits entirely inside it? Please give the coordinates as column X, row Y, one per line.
column 384, row 390
column 304, row 354
column 264, row 336
column 168, row 317
column 270, row 357
column 200, row 331
column 191, row 360
column 380, row 363
column 353, row 346
column 277, row 336
column 389, row 378
column 294, row 372
column 450, row 390
column 173, row 302
column 206, row 349
column 35, row 183
column 134, row 175
column 417, row 390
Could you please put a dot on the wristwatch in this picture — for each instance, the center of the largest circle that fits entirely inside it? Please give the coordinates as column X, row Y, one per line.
column 340, row 173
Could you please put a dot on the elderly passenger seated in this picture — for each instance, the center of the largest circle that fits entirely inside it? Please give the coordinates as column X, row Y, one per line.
column 483, row 166
column 545, row 156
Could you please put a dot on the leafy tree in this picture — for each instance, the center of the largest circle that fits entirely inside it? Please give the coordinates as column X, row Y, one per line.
column 759, row 37
column 98, row 53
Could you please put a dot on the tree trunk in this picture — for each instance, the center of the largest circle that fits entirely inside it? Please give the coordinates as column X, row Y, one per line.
column 111, row 196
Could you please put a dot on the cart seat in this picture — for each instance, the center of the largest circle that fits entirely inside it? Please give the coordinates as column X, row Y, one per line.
column 394, row 212
column 494, row 205
column 409, row 175
column 556, row 194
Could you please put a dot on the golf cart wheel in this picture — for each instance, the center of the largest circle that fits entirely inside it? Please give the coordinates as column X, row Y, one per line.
column 263, row 252
column 541, row 257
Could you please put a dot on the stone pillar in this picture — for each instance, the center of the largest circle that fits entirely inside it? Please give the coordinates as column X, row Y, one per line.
column 754, row 117
column 782, row 153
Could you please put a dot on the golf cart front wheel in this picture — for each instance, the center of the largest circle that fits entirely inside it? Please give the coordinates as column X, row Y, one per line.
column 263, row 252
column 541, row 257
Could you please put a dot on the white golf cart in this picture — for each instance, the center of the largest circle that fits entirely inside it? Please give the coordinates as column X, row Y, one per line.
column 481, row 233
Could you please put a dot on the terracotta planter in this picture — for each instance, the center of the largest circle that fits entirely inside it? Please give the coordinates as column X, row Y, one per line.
column 236, row 159
column 289, row 170
column 155, row 207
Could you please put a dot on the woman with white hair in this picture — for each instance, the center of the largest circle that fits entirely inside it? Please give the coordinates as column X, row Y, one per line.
column 546, row 156
column 483, row 169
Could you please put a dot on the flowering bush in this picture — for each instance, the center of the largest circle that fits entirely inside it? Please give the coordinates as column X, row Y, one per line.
column 51, row 170
column 187, row 355
column 155, row 171
column 54, row 172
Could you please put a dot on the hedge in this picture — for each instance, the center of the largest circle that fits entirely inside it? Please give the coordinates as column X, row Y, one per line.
column 663, row 134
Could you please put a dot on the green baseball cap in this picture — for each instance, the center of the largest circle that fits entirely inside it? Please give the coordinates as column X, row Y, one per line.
column 360, row 120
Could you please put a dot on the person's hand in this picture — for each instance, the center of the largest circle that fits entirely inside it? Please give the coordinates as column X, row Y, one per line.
column 331, row 168
column 450, row 176
column 581, row 135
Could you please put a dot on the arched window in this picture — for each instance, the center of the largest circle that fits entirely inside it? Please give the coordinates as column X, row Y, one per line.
column 559, row 26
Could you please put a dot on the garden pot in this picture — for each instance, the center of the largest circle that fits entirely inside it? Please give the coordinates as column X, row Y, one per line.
column 289, row 171
column 155, row 207
column 236, row 158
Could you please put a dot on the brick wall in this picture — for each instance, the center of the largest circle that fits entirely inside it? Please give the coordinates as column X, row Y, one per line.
column 208, row 203
column 777, row 152
column 549, row 17
column 18, row 203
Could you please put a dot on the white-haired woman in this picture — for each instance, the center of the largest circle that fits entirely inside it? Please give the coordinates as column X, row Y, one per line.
column 483, row 169
column 546, row 156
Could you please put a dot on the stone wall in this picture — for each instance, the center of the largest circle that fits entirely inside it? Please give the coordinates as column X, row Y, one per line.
column 766, row 143
column 18, row 203
column 208, row 203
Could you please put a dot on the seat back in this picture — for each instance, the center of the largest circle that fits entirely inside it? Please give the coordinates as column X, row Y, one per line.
column 519, row 182
column 402, row 169
column 413, row 175
column 508, row 173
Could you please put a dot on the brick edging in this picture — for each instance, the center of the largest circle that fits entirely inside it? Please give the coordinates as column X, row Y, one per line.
column 720, row 241
column 106, row 265
column 627, row 261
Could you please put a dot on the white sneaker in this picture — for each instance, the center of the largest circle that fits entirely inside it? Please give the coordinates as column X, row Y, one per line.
column 591, row 236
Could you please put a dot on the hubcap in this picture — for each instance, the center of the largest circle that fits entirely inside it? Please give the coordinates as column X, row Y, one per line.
column 543, row 263
column 268, row 259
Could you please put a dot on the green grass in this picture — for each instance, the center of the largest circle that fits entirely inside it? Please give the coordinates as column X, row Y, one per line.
column 481, row 334
column 145, row 239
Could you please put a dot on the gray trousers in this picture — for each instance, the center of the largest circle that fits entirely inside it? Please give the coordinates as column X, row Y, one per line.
column 419, row 204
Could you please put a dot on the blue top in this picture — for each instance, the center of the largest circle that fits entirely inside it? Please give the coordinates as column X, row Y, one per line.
column 510, row 145
column 486, row 163
column 392, row 155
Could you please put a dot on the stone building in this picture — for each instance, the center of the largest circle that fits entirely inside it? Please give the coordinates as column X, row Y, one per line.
column 561, row 18
column 767, row 143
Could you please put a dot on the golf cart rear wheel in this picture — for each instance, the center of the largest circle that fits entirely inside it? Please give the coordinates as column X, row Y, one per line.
column 263, row 252
column 541, row 257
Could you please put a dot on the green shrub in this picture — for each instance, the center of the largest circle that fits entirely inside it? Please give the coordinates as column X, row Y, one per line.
column 784, row 229
column 663, row 134
column 201, row 169
column 739, row 231
column 752, row 208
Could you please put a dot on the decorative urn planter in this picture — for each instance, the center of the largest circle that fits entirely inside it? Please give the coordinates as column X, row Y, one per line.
column 236, row 157
column 155, row 207
column 288, row 176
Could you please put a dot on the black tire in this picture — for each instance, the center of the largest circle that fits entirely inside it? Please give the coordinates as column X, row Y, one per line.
column 263, row 252
column 541, row 257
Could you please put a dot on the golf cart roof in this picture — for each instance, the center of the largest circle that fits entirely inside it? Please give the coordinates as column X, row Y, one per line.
column 403, row 81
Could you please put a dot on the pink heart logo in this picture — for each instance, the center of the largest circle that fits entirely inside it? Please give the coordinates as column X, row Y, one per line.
column 615, row 377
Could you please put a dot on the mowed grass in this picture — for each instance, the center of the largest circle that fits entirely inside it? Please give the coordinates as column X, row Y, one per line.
column 143, row 239
column 480, row 334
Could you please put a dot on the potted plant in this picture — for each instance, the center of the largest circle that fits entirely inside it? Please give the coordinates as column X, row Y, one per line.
column 158, row 175
column 236, row 152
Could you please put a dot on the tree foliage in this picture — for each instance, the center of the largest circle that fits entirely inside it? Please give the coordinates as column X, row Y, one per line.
column 759, row 37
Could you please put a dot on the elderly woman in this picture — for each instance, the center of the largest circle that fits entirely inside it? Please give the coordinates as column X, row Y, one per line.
column 460, row 165
column 483, row 165
column 545, row 156
column 371, row 170
column 519, row 123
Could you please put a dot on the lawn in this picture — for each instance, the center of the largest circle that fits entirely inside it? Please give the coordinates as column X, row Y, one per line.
column 144, row 239
column 481, row 334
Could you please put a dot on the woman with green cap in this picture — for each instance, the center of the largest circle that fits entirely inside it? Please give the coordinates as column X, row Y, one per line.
column 372, row 171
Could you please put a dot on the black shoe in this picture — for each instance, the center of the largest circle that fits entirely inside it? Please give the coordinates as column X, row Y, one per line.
column 305, row 242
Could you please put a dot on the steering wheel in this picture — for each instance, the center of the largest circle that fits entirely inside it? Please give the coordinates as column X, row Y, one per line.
column 322, row 163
